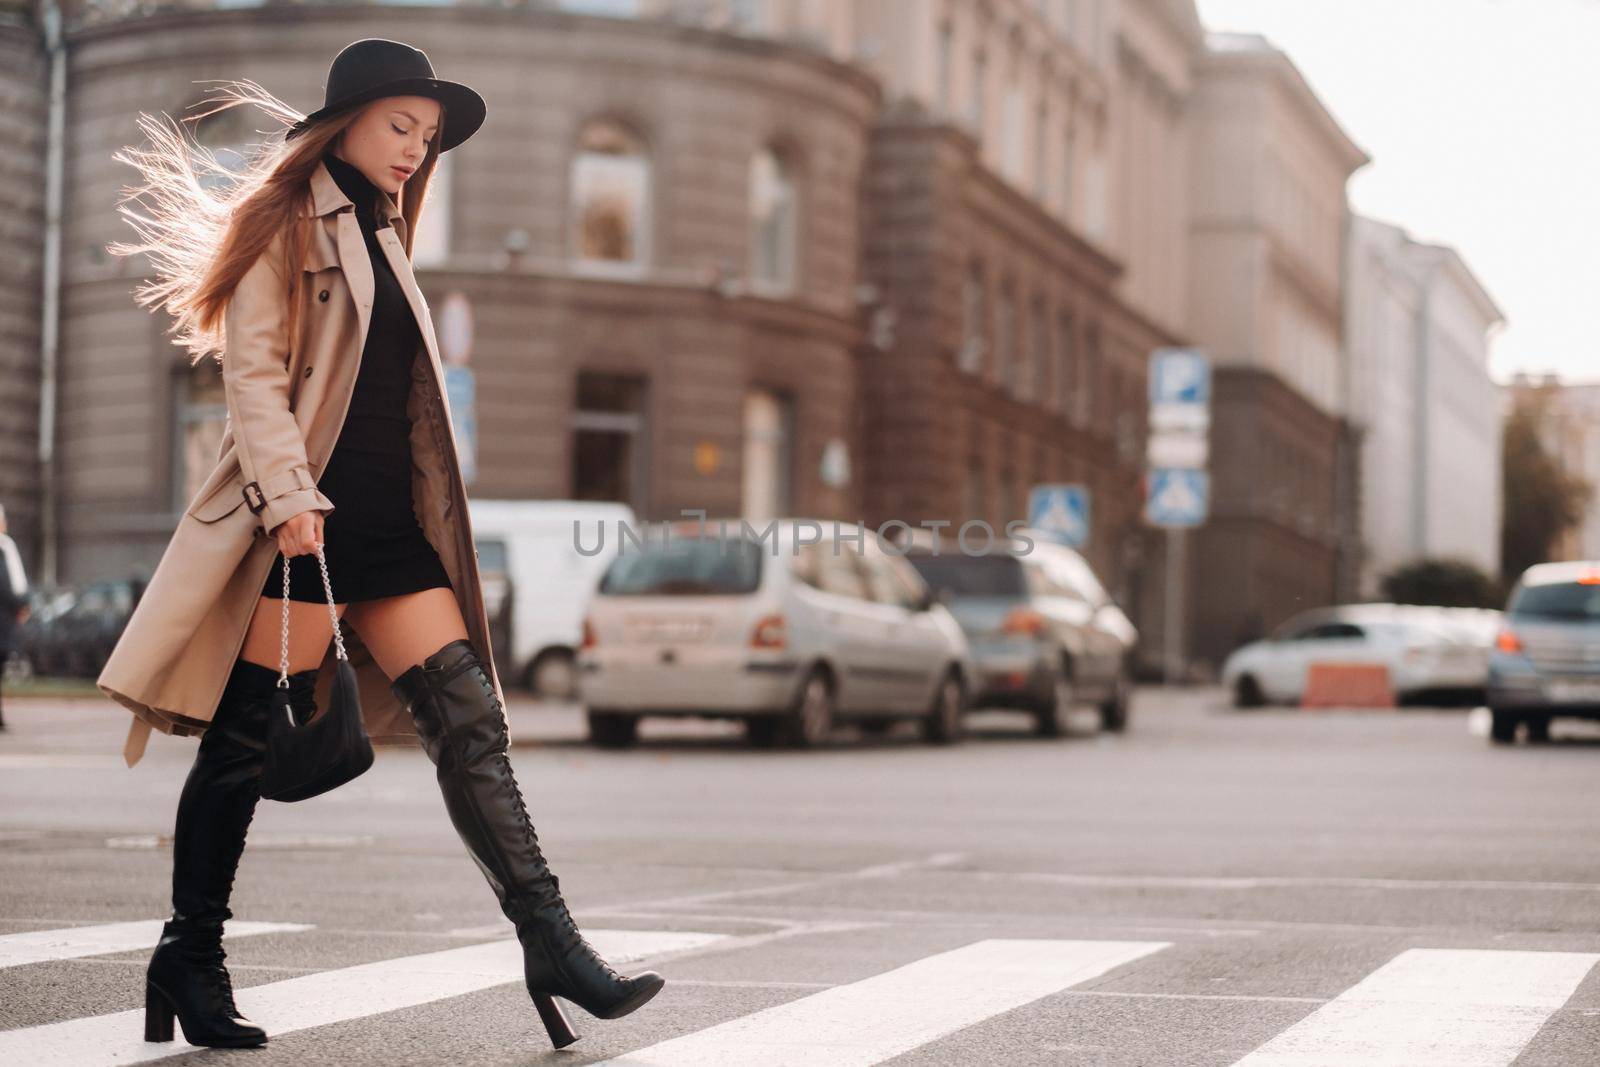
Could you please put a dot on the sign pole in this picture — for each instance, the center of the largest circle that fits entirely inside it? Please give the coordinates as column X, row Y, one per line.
column 1177, row 579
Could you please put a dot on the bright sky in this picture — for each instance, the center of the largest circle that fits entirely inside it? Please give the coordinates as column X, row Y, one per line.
column 1479, row 116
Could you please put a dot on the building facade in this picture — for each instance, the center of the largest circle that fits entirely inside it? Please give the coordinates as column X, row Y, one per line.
column 647, row 258
column 24, row 85
column 1268, row 221
column 1422, row 404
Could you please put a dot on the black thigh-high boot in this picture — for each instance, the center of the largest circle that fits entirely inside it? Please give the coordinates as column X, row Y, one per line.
column 186, row 977
column 463, row 729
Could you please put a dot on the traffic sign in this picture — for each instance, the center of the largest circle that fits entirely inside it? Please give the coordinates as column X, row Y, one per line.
column 1061, row 511
column 1180, row 376
column 1177, row 497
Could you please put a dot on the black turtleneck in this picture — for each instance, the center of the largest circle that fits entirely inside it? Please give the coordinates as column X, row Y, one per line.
column 376, row 422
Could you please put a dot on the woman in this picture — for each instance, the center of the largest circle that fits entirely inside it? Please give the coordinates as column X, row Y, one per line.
column 325, row 340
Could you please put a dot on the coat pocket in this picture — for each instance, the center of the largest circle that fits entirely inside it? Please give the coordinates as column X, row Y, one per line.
column 221, row 501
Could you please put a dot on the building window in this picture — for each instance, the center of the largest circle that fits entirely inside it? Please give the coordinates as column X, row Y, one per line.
column 1038, row 385
column 1066, row 368
column 431, row 246
column 614, row 8
column 1005, row 338
column 200, row 418
column 1067, row 163
column 976, row 101
column 1008, row 496
column 223, row 138
column 1089, row 380
column 773, row 223
column 942, row 60
column 977, row 492
column 768, row 455
column 1041, row 154
column 610, row 440
column 611, row 199
column 975, row 321
column 1011, row 146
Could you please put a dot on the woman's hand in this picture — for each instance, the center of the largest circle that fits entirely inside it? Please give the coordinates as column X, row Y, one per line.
column 299, row 535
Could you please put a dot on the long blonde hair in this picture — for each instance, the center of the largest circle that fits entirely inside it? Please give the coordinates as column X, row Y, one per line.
column 201, row 240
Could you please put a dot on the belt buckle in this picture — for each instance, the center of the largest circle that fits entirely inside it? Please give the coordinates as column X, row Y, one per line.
column 255, row 508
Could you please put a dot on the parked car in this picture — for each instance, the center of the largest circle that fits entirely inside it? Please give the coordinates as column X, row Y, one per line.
column 71, row 629
column 537, row 583
column 1045, row 635
column 1546, row 660
column 42, row 648
column 1424, row 651
column 788, row 636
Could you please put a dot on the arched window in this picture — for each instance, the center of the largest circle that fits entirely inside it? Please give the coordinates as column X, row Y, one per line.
column 610, row 199
column 773, row 223
column 225, row 137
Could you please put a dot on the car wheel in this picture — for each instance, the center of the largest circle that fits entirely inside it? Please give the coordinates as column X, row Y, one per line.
column 1247, row 692
column 553, row 675
column 810, row 721
column 613, row 729
column 1114, row 712
column 1503, row 726
column 943, row 724
column 1538, row 729
column 763, row 731
column 1051, row 720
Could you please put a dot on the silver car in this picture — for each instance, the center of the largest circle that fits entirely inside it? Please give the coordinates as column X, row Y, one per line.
column 1044, row 633
column 789, row 633
column 1546, row 661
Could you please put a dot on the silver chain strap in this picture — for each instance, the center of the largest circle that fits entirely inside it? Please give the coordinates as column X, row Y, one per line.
column 333, row 618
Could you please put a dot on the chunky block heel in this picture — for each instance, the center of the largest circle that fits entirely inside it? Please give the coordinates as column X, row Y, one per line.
column 554, row 1019
column 158, row 1015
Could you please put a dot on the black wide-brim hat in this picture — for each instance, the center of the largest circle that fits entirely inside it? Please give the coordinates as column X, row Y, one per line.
column 374, row 67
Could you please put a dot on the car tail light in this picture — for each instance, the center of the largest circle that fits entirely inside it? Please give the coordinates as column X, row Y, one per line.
column 588, row 634
column 1023, row 621
column 1589, row 578
column 1508, row 642
column 769, row 632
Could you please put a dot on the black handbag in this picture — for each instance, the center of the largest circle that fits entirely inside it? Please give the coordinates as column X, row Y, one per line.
column 307, row 759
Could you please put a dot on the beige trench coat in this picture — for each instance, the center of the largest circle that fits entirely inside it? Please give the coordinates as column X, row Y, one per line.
column 284, row 415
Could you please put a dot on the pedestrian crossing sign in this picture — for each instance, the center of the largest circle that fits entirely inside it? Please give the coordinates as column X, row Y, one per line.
column 1062, row 512
column 1177, row 497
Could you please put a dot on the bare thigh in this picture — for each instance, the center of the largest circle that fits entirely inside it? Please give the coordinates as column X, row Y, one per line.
column 402, row 631
column 310, row 634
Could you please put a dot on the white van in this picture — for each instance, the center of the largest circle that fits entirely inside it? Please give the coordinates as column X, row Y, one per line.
column 537, row 582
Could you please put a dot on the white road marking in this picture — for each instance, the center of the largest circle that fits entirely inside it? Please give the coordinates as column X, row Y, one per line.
column 869, row 1021
column 323, row 998
column 74, row 942
column 1433, row 1008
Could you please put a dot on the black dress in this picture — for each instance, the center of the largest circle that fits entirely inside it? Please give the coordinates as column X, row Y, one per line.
column 372, row 541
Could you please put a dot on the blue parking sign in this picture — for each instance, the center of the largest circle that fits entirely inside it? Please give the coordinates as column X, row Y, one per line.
column 1180, row 376
column 1177, row 497
column 1061, row 512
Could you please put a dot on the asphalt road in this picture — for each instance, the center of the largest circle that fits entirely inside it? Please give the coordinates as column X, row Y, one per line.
column 1213, row 887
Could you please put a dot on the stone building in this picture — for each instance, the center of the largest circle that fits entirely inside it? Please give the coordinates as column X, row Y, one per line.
column 1268, row 221
column 1421, row 403
column 654, row 238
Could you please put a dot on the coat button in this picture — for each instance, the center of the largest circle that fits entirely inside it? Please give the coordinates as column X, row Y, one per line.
column 323, row 296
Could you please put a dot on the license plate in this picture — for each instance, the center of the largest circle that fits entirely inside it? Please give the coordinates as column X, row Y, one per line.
column 1574, row 692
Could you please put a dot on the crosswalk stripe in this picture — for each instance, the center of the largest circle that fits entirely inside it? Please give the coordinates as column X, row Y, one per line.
column 1449, row 1007
column 75, row 942
column 324, row 998
column 869, row 1021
